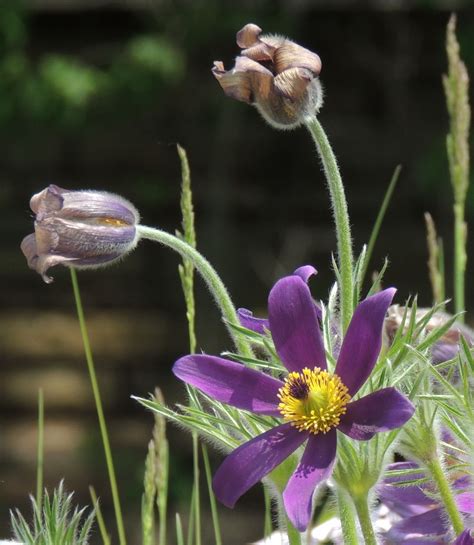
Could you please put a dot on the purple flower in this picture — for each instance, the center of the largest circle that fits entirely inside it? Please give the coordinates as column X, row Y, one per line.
column 79, row 229
column 465, row 538
column 422, row 518
column 312, row 401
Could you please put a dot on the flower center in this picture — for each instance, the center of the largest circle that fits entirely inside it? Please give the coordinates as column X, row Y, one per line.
column 313, row 400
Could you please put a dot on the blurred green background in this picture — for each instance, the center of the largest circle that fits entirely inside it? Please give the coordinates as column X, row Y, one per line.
column 96, row 94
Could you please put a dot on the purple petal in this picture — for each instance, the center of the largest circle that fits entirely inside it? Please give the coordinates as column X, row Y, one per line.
column 363, row 340
column 247, row 319
column 315, row 466
column 383, row 410
column 407, row 499
column 465, row 502
column 230, row 382
column 443, row 351
column 464, row 538
column 294, row 325
column 249, row 463
column 305, row 272
column 430, row 523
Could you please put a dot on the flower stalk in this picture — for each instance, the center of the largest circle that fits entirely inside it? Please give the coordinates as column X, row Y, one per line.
column 341, row 219
column 347, row 517
column 210, row 276
column 447, row 496
column 363, row 514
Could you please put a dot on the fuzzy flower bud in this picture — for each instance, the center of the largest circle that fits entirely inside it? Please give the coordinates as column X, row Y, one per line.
column 276, row 75
column 447, row 346
column 82, row 229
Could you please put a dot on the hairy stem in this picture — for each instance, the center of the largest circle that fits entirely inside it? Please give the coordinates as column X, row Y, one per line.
column 447, row 496
column 347, row 517
column 363, row 514
column 209, row 275
column 341, row 219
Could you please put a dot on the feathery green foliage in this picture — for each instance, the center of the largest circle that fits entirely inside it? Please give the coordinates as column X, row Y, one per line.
column 155, row 481
column 56, row 522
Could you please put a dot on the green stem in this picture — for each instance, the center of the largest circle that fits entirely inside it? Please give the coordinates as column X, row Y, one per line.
column 341, row 219
column 267, row 526
column 294, row 537
column 197, row 497
column 212, row 498
column 162, row 509
column 460, row 259
column 100, row 411
column 100, row 519
column 442, row 483
column 347, row 517
column 40, row 452
column 209, row 275
column 363, row 514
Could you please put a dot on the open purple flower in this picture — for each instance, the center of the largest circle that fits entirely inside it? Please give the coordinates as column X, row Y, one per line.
column 421, row 517
column 313, row 402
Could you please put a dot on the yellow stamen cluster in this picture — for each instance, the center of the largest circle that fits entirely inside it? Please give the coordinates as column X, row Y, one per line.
column 112, row 222
column 313, row 400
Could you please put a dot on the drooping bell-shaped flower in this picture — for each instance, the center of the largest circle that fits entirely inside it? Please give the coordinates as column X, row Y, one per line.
column 83, row 229
column 276, row 75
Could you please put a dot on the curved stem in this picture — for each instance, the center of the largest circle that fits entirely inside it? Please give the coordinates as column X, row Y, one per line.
column 363, row 514
column 100, row 410
column 347, row 517
column 341, row 219
column 209, row 275
column 446, row 494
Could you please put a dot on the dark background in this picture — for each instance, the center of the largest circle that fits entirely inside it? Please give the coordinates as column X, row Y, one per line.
column 95, row 94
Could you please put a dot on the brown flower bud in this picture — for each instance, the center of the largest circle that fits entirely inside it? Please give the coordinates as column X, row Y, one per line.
column 277, row 76
column 444, row 348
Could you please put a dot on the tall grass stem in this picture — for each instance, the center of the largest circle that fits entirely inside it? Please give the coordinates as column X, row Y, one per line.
column 104, row 534
column 40, row 451
column 100, row 410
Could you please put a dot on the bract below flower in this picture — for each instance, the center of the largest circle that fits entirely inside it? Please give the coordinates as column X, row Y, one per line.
column 276, row 75
column 313, row 402
column 82, row 229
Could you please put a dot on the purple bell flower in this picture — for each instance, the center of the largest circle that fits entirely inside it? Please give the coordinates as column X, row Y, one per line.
column 312, row 402
column 82, row 229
